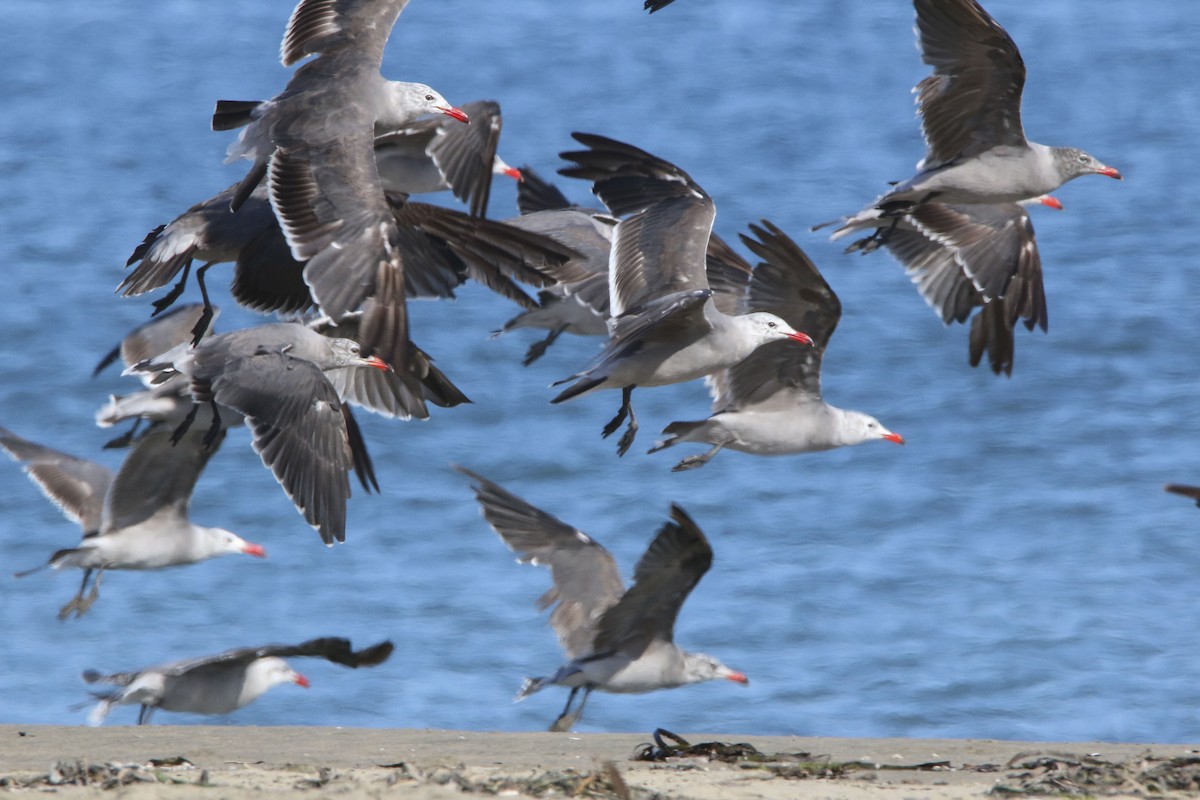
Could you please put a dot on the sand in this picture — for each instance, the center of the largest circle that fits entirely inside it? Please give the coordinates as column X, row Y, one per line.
column 233, row 762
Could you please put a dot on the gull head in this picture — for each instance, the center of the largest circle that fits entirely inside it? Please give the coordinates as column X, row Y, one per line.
column 699, row 667
column 1073, row 162
column 766, row 327
column 412, row 100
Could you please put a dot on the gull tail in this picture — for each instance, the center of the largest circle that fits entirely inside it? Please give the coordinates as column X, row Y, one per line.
column 576, row 389
column 530, row 686
column 230, row 114
column 677, row 432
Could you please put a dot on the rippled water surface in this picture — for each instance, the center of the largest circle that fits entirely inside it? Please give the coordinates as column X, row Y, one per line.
column 1016, row 571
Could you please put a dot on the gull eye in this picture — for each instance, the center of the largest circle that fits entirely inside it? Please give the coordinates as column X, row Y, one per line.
column 772, row 325
column 429, row 97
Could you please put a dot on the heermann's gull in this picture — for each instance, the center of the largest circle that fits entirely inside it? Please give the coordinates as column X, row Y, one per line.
column 437, row 153
column 655, row 5
column 164, row 401
column 135, row 520
column 275, row 377
column 970, row 111
column 441, row 246
column 1192, row 492
column 314, row 142
column 618, row 640
column 224, row 682
column 770, row 403
column 664, row 326
column 963, row 257
column 578, row 307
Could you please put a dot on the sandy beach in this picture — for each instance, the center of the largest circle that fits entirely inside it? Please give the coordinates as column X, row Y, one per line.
column 224, row 761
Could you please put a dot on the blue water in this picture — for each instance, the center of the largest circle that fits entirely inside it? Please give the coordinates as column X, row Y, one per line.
column 1016, row 571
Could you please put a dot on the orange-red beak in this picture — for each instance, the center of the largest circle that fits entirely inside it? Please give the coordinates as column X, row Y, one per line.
column 894, row 437
column 738, row 677
column 302, row 681
column 803, row 338
column 1110, row 172
column 378, row 363
column 1051, row 202
column 515, row 174
column 457, row 113
column 255, row 550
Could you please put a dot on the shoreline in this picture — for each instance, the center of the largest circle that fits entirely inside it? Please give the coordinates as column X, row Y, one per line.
column 230, row 761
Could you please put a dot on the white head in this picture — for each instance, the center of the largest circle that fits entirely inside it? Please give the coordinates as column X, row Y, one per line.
column 766, row 327
column 499, row 167
column 225, row 542
column 348, row 353
column 857, row 428
column 266, row 673
column 1073, row 162
column 412, row 100
column 698, row 667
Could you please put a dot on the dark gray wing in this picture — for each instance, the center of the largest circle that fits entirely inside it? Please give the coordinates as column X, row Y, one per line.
column 785, row 283
column 586, row 580
column 660, row 252
column 299, row 431
column 466, row 154
column 331, row 648
column 327, row 195
column 991, row 243
column 158, row 475
column 972, row 101
column 729, row 276
column 1187, row 491
column 328, row 26
column 671, row 567
column 76, row 486
column 655, row 5
column 661, row 249
column 998, row 243
column 535, row 193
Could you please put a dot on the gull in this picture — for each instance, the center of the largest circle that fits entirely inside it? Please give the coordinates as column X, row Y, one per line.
column 617, row 640
column 771, row 403
column 314, row 143
column 135, row 520
column 664, row 327
column 277, row 377
column 970, row 109
column 221, row 683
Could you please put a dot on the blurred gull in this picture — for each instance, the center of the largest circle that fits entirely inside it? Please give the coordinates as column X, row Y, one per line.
column 664, row 326
column 618, row 640
column 224, row 682
column 136, row 520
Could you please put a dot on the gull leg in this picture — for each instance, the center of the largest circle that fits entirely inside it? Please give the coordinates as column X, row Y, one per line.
column 125, row 439
column 214, row 430
column 699, row 460
column 80, row 604
column 206, row 314
column 567, row 719
column 629, row 434
column 187, row 423
column 164, row 302
column 144, row 714
column 626, row 410
column 538, row 349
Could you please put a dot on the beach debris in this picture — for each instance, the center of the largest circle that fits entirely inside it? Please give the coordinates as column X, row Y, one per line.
column 1053, row 773
column 109, row 775
column 603, row 783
